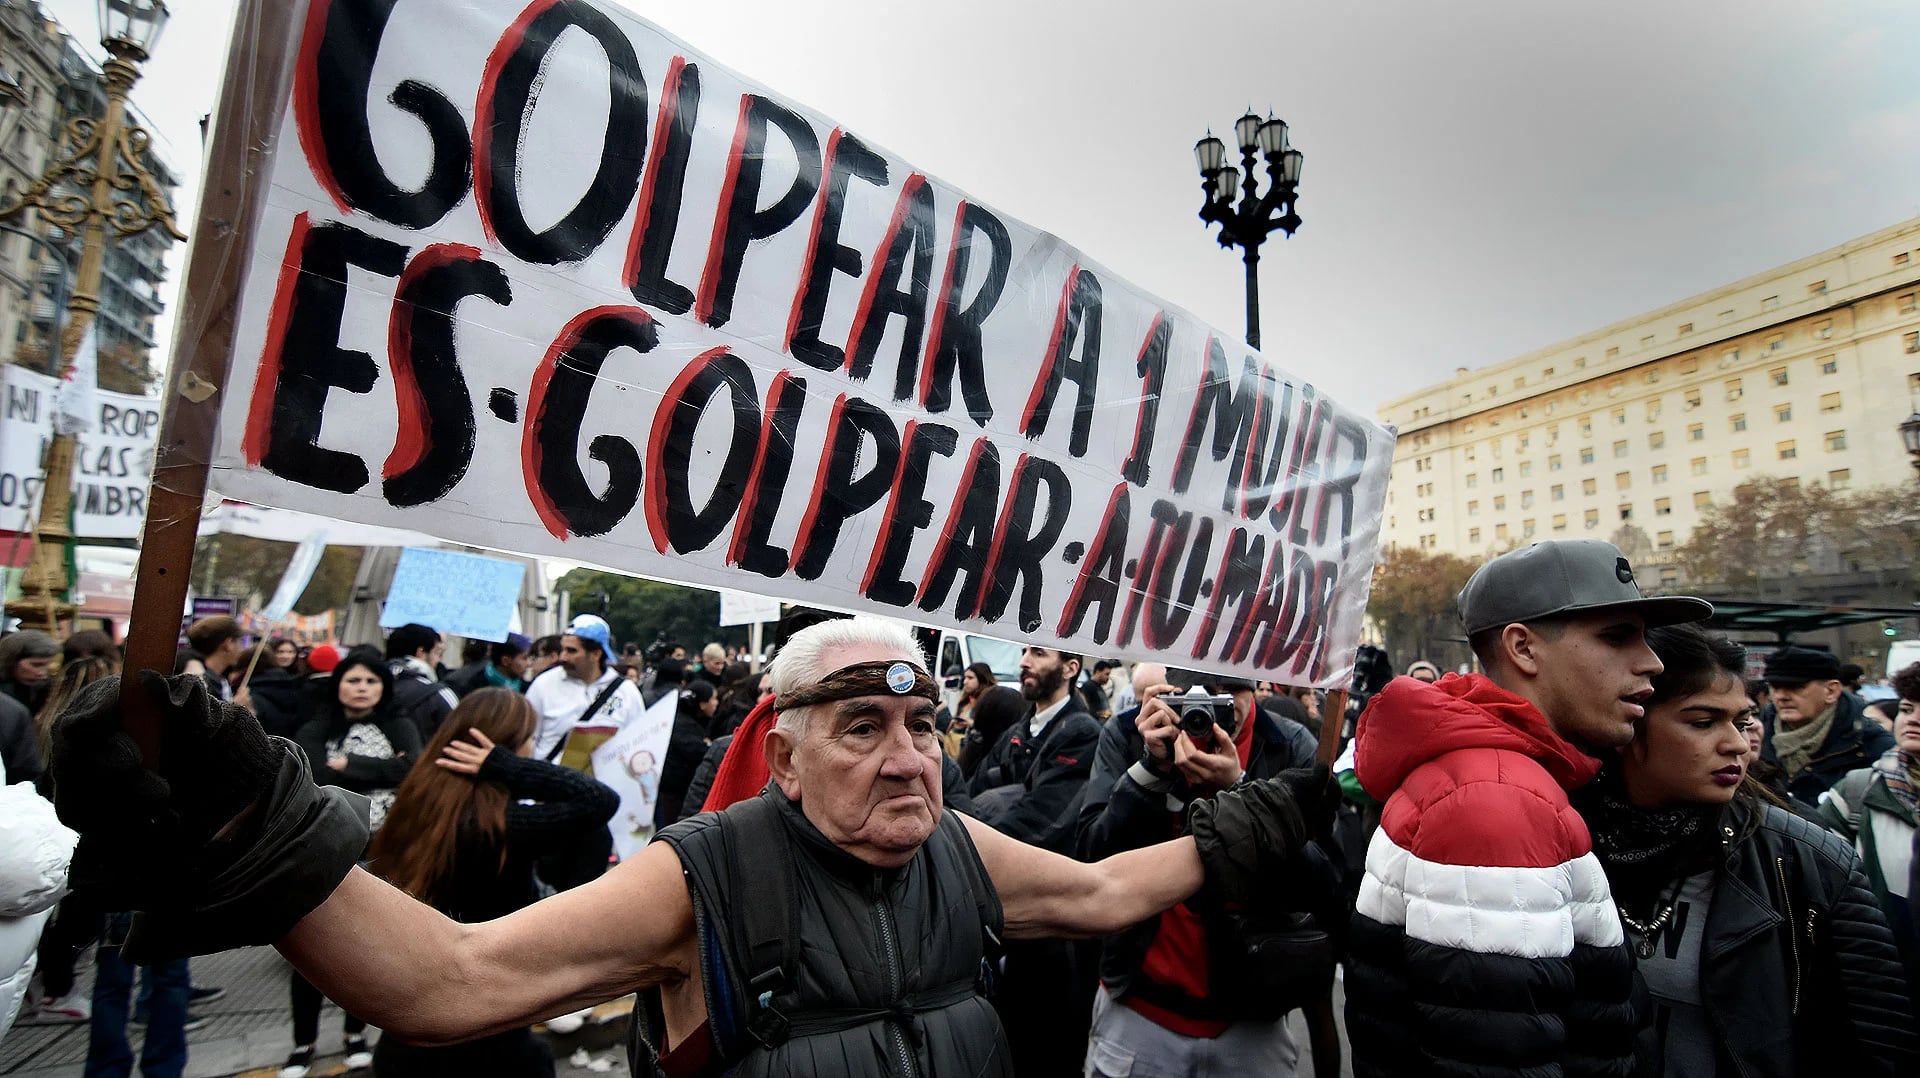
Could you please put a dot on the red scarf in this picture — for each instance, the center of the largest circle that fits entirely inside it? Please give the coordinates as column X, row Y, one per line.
column 743, row 771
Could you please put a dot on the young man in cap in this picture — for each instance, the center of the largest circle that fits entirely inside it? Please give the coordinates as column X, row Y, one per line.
column 1485, row 938
column 1818, row 732
column 583, row 690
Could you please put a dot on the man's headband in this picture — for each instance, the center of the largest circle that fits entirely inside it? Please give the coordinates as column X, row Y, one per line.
column 880, row 678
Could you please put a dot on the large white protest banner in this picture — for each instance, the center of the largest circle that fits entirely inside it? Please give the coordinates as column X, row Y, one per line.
column 570, row 288
column 112, row 462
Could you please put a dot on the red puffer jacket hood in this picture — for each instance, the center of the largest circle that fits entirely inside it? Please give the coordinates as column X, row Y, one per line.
column 1411, row 722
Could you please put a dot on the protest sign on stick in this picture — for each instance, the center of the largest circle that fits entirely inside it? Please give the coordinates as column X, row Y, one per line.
column 538, row 277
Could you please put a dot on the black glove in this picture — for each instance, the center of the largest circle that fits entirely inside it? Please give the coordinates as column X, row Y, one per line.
column 1317, row 794
column 148, row 839
column 1245, row 836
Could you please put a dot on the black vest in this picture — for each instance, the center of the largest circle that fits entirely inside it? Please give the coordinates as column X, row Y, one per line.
column 885, row 973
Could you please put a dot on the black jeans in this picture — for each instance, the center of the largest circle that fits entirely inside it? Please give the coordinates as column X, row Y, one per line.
column 306, row 1013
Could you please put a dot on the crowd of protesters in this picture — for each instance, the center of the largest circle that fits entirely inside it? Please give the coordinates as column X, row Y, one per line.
column 1606, row 852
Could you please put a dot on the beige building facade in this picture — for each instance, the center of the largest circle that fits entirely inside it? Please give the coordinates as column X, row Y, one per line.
column 1805, row 371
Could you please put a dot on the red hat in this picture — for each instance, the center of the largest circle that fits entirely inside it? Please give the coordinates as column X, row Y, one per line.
column 322, row 659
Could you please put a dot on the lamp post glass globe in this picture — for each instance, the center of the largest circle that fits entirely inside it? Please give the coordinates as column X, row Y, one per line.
column 132, row 23
column 1273, row 138
column 1247, row 130
column 1209, row 153
column 1910, row 436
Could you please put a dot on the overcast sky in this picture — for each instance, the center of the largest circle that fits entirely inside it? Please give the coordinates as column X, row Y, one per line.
column 1481, row 178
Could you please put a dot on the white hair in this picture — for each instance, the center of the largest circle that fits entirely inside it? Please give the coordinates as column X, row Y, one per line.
column 801, row 660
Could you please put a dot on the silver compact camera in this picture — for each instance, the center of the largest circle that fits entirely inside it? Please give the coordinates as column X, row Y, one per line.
column 1199, row 713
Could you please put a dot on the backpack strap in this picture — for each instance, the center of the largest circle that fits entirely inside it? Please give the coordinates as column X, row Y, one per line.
column 765, row 928
column 592, row 710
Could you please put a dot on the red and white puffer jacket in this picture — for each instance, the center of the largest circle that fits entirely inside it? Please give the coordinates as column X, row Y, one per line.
column 1485, row 939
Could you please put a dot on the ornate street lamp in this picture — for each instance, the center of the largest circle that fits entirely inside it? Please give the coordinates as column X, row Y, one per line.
column 1910, row 436
column 96, row 182
column 1247, row 223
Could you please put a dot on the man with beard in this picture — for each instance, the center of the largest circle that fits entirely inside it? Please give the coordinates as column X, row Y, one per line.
column 1029, row 786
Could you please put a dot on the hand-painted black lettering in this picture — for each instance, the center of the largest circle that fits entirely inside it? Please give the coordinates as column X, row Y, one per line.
column 1099, row 579
column 910, row 234
column 647, row 269
column 1231, row 411
column 907, row 513
column 435, row 445
column 967, row 540
column 956, row 335
column 312, row 362
column 1022, row 545
column 1152, row 369
column 556, row 418
column 1081, row 321
column 691, row 528
column 742, row 221
column 847, row 157
column 1167, row 613
column 331, row 102
column 864, row 431
column 1234, row 586
column 507, row 105
column 755, row 552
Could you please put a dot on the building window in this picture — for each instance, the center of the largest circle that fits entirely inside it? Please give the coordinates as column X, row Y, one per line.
column 1526, row 528
column 1499, row 503
column 1726, row 316
column 1691, row 363
column 1829, row 403
column 1589, row 486
column 1657, row 440
column 1558, row 492
column 1613, row 351
column 1779, row 376
column 1669, row 576
column 1829, row 365
column 1839, row 479
column 1729, row 357
column 1626, row 512
column 1646, row 342
column 1473, row 508
column 1468, row 455
column 1702, row 499
column 1910, row 302
column 1548, row 373
column 1619, row 417
column 1836, row 440
column 1734, row 392
column 1473, row 535
column 1522, row 441
column 1742, row 458
column 1586, row 455
column 1782, row 413
column 1526, row 499
column 1619, row 449
column 1659, row 473
column 1559, row 522
column 1823, row 331
column 1696, row 432
column 1473, row 480
column 1817, row 288
column 1553, row 463
column 1526, row 468
column 1586, row 426
column 1623, row 480
column 1653, row 410
column 1663, row 507
column 1685, row 328
column 1698, row 466
column 1499, row 474
column 1911, row 341
column 1692, row 397
column 1786, row 450
column 1776, row 343
column 1771, row 303
column 1591, row 518
column 1900, row 259
column 1499, row 532
column 1737, row 422
column 1664, row 540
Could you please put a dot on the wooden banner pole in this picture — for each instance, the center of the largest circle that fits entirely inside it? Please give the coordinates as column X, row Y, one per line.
column 260, row 60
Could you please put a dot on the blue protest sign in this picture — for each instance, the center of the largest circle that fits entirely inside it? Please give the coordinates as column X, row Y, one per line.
column 458, row 594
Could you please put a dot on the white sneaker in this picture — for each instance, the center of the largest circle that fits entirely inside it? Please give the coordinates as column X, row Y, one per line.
column 299, row 1064
column 359, row 1056
column 72, row 1007
column 568, row 1023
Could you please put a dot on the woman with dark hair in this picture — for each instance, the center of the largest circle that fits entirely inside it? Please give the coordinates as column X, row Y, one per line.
column 998, row 707
column 358, row 741
column 26, row 667
column 462, row 837
column 686, row 745
column 282, row 653
column 976, row 679
column 1876, row 808
column 1755, row 933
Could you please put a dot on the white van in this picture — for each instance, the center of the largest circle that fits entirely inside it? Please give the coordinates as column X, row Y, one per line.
column 953, row 652
column 1902, row 654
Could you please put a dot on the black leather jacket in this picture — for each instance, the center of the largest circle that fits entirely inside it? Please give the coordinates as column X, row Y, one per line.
column 1799, row 973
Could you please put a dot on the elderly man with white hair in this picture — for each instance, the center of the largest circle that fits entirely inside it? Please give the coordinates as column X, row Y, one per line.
column 835, row 924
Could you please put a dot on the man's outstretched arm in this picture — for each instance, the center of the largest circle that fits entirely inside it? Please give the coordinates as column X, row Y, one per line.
column 427, row 979
column 1043, row 894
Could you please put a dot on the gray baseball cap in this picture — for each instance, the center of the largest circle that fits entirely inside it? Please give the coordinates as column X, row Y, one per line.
column 1563, row 578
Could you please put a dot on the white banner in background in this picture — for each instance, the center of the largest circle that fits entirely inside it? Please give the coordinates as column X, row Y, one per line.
column 112, row 463
column 540, row 278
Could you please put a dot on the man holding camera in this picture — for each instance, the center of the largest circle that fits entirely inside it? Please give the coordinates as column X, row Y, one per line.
column 1177, row 992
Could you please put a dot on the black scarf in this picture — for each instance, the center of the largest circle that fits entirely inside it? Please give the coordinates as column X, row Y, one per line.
column 1644, row 850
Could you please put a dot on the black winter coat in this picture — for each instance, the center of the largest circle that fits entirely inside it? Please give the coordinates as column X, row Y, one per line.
column 1854, row 742
column 1799, row 972
column 1050, row 772
column 280, row 701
